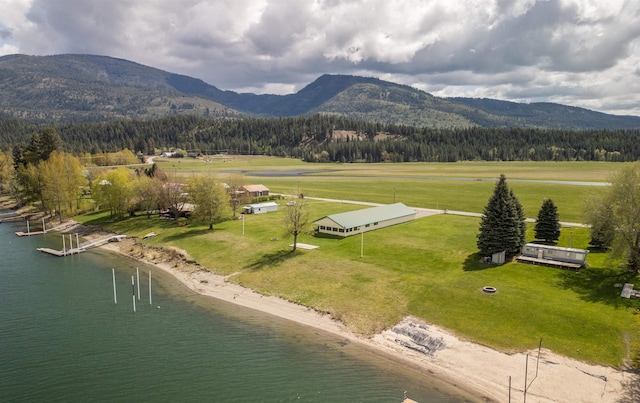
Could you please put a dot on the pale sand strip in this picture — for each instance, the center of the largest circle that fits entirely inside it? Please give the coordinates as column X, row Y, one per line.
column 472, row 367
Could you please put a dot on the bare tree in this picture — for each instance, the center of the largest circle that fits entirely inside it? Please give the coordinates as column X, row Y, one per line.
column 296, row 219
column 237, row 195
column 173, row 196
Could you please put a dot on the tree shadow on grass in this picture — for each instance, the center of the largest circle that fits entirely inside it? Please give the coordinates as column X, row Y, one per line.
column 188, row 234
column 327, row 236
column 596, row 284
column 271, row 259
column 98, row 217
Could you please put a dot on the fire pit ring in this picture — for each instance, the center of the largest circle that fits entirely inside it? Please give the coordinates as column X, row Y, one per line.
column 487, row 289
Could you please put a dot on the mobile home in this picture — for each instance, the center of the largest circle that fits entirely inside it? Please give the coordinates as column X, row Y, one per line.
column 553, row 255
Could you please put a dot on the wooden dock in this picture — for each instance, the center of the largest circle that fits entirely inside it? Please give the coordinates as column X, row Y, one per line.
column 21, row 233
column 14, row 218
column 83, row 247
column 60, row 253
column 548, row 262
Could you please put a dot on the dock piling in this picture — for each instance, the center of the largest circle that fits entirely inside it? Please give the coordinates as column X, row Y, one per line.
column 115, row 297
column 133, row 293
column 138, row 279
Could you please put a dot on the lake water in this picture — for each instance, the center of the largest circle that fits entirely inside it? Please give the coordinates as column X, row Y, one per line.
column 63, row 339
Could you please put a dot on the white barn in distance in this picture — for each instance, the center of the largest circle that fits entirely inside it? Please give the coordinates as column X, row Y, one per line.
column 359, row 221
column 260, row 208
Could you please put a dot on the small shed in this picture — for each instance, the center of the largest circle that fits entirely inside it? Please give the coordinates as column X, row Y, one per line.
column 499, row 257
column 359, row 221
column 553, row 255
column 260, row 208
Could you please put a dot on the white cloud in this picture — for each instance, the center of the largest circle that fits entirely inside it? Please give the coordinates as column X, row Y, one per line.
column 578, row 52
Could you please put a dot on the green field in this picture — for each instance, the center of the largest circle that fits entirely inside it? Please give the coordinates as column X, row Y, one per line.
column 428, row 267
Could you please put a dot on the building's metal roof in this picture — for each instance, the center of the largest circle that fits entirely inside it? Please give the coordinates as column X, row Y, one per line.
column 352, row 219
column 256, row 188
column 553, row 247
column 265, row 204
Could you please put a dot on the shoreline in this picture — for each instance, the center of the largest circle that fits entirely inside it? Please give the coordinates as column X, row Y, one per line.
column 473, row 369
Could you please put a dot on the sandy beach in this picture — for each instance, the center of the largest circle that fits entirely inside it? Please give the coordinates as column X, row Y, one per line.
column 480, row 371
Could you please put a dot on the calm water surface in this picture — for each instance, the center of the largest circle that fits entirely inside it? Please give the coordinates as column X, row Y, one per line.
column 63, row 339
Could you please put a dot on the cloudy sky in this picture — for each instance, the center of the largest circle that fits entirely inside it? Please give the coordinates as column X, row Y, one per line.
column 576, row 52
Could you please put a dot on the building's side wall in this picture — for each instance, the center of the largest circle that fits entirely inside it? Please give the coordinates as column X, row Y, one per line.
column 561, row 255
column 328, row 226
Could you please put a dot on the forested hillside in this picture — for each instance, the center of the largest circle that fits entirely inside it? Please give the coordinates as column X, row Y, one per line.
column 89, row 88
column 333, row 138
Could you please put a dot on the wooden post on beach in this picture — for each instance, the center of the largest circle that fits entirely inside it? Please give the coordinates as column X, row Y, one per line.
column 77, row 242
column 64, row 247
column 538, row 363
column 509, row 388
column 115, row 297
column 149, row 287
column 28, row 232
column 138, row 279
column 526, row 369
column 133, row 293
column 71, row 244
column 44, row 228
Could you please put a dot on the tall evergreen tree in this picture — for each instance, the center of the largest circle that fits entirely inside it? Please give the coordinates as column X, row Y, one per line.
column 502, row 223
column 547, row 224
column 522, row 219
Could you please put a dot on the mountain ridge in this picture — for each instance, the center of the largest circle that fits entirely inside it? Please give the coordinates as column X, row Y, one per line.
column 97, row 88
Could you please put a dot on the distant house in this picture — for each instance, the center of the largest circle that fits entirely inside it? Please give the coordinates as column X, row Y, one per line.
column 186, row 209
column 359, row 221
column 260, row 208
column 256, row 190
column 553, row 255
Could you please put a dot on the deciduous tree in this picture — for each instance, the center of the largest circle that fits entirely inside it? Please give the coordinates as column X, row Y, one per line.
column 61, row 181
column 210, row 198
column 113, row 190
column 147, row 192
column 6, row 171
column 600, row 215
column 623, row 199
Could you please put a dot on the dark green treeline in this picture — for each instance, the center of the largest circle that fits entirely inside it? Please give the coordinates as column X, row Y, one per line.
column 332, row 138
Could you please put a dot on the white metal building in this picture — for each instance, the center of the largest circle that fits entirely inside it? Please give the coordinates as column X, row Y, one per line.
column 359, row 221
column 260, row 208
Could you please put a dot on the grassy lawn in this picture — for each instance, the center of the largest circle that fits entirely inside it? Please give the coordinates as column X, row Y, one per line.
column 427, row 268
column 427, row 185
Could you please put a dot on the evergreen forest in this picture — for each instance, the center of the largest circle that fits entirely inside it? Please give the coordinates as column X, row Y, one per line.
column 326, row 138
